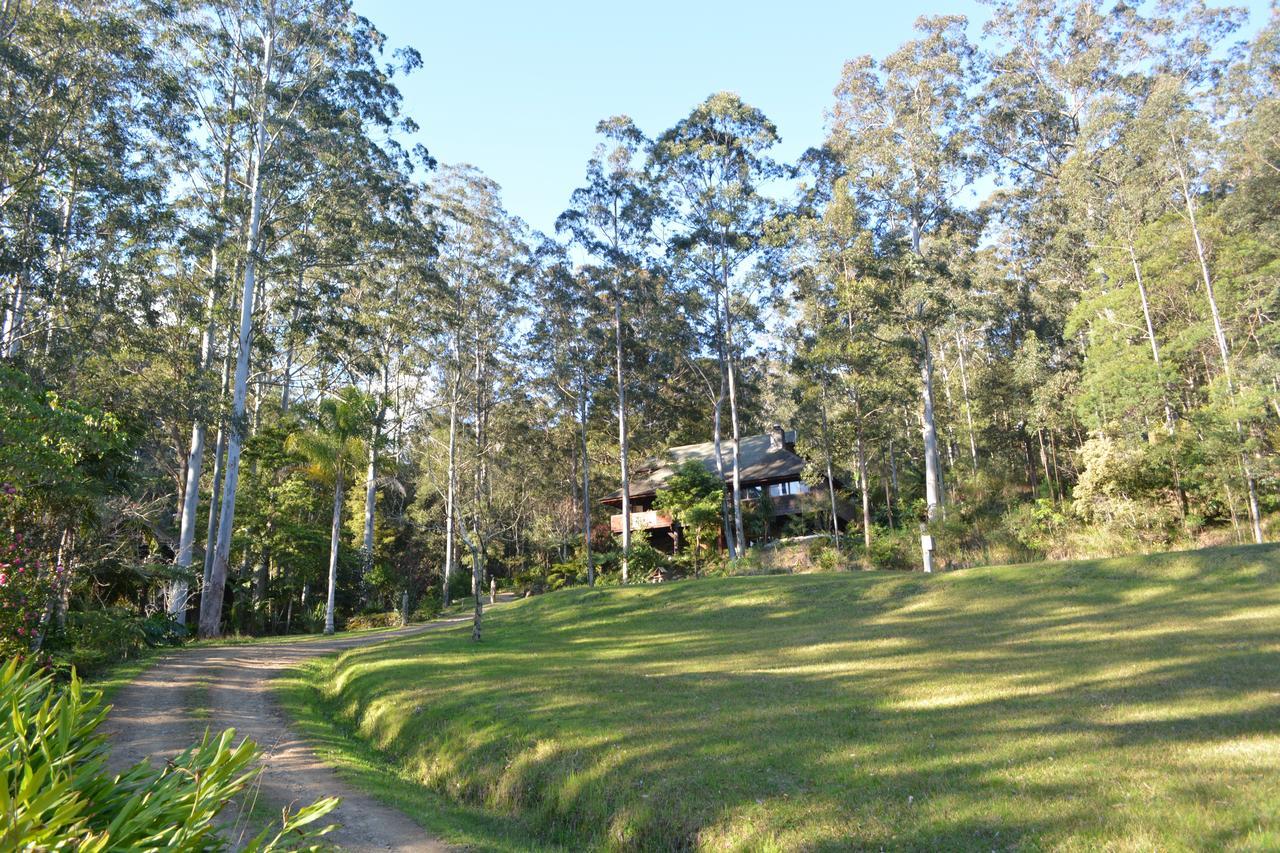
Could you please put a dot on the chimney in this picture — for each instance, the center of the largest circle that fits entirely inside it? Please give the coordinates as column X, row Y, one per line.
column 777, row 438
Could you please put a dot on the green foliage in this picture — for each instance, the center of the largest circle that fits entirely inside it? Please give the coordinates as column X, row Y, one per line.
column 646, row 559
column 694, row 497
column 55, row 793
column 27, row 588
column 367, row 621
column 1038, row 526
column 57, row 455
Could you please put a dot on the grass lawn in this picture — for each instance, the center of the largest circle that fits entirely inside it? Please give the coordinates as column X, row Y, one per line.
column 1126, row 704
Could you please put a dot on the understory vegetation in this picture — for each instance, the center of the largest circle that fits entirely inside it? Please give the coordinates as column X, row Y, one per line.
column 56, row 794
column 1124, row 704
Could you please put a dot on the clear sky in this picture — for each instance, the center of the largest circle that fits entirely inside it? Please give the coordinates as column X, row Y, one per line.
column 516, row 88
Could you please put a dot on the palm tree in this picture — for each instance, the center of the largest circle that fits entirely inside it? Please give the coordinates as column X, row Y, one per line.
column 332, row 451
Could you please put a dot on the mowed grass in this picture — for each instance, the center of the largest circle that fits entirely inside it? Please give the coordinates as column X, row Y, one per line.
column 1126, row 704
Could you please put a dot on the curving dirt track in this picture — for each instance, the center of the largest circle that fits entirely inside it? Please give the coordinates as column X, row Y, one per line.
column 171, row 705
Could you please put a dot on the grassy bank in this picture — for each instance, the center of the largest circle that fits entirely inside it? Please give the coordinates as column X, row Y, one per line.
column 1131, row 704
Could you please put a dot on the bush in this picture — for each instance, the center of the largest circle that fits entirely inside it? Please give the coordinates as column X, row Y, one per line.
column 561, row 575
column 892, row 549
column 95, row 638
column 429, row 605
column 161, row 629
column 367, row 621
column 460, row 582
column 26, row 588
column 58, row 796
column 1038, row 527
column 829, row 560
column 645, row 560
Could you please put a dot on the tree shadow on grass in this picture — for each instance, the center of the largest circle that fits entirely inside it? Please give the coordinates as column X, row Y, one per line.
column 979, row 710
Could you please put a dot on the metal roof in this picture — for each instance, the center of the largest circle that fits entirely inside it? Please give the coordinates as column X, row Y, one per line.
column 759, row 464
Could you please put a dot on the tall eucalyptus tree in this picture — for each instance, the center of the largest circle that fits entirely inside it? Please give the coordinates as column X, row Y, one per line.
column 710, row 167
column 612, row 218
column 904, row 128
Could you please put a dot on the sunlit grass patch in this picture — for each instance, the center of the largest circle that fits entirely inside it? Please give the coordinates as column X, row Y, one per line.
column 1128, row 704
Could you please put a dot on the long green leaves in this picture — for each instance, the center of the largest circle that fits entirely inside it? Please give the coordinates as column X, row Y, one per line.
column 56, row 795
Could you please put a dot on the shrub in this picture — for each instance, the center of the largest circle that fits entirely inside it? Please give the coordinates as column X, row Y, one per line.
column 161, row 629
column 460, row 581
column 645, row 560
column 366, row 621
column 561, row 575
column 56, row 795
column 429, row 605
column 26, row 588
column 893, row 549
column 829, row 560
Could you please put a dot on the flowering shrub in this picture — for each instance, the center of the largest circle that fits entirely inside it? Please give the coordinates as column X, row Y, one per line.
column 26, row 587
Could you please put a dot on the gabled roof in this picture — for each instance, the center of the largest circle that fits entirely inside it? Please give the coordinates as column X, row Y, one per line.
column 759, row 463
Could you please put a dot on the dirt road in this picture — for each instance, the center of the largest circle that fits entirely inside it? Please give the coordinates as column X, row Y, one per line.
column 171, row 704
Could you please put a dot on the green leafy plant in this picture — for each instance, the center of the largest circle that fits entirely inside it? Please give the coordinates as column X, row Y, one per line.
column 26, row 587
column 694, row 496
column 55, row 793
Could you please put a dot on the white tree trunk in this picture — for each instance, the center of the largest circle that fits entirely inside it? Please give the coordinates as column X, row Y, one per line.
column 586, row 491
column 968, row 408
column 180, row 591
column 450, row 498
column 624, row 460
column 12, row 340
column 211, row 600
column 1224, row 350
column 932, row 475
column 864, row 486
column 831, row 479
column 1151, row 333
column 725, row 521
column 335, row 536
column 736, row 440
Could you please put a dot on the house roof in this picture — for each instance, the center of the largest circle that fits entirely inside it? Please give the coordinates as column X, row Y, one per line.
column 757, row 462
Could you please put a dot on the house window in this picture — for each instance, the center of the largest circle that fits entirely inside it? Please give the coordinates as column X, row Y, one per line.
column 795, row 487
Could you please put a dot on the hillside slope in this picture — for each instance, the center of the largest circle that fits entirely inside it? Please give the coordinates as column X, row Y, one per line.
column 1130, row 703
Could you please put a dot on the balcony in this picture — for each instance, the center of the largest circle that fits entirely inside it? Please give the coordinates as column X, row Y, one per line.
column 641, row 520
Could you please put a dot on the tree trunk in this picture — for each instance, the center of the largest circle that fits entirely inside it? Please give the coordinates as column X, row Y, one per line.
column 624, row 460
column 893, row 477
column 450, row 498
column 1151, row 334
column 831, row 480
column 477, row 570
column 725, row 521
column 211, row 600
column 262, row 584
column 864, row 486
column 180, row 591
column 1255, row 517
column 735, row 443
column 12, row 340
column 586, row 492
column 335, row 536
column 932, row 474
column 371, row 487
column 1044, row 463
column 968, row 409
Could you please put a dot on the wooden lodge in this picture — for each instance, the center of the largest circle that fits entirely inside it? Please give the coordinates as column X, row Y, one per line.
column 768, row 463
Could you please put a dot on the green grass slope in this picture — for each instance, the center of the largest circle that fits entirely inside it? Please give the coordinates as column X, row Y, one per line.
column 1127, row 704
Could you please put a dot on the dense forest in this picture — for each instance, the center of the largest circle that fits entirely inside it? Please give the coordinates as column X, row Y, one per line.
column 267, row 367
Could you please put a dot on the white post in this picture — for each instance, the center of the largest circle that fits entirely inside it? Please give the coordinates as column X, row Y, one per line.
column 926, row 548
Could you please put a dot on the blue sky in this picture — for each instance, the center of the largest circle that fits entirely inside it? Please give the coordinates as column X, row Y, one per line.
column 517, row 88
